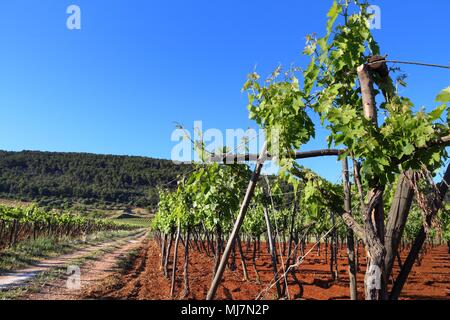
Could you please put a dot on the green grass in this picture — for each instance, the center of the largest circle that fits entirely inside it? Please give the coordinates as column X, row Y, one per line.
column 28, row 252
column 135, row 222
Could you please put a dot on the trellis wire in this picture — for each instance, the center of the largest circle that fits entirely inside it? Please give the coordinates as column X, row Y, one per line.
column 411, row 63
column 300, row 259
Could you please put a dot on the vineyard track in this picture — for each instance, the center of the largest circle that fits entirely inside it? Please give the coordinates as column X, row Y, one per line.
column 145, row 280
column 109, row 252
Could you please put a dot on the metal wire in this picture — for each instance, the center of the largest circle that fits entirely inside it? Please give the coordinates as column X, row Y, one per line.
column 411, row 63
column 300, row 260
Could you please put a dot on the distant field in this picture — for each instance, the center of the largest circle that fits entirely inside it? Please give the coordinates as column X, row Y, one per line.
column 137, row 222
column 14, row 203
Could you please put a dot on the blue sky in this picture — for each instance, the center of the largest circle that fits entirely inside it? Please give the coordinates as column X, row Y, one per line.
column 118, row 85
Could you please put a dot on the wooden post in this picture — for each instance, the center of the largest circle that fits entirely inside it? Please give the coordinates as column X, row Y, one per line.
column 398, row 215
column 368, row 96
column 163, row 249
column 237, row 226
column 350, row 235
column 175, row 257
column 166, row 259
column 187, row 290
column 419, row 241
column 241, row 253
column 334, row 248
column 272, row 252
column 291, row 230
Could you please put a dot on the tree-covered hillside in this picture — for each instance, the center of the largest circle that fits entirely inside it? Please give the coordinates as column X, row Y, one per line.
column 66, row 179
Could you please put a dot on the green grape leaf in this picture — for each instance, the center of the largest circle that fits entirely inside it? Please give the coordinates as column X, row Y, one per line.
column 444, row 96
column 437, row 113
column 332, row 16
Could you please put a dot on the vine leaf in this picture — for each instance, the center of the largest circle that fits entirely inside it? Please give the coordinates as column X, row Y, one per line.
column 332, row 15
column 444, row 96
column 437, row 113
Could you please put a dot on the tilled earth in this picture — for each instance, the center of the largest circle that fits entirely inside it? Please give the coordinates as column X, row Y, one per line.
column 145, row 281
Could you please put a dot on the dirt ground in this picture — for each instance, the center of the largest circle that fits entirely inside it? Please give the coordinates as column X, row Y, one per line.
column 101, row 262
column 144, row 281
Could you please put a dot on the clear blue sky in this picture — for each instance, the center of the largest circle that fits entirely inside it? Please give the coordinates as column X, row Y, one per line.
column 118, row 85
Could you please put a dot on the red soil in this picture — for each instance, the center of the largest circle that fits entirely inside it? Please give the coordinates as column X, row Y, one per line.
column 145, row 281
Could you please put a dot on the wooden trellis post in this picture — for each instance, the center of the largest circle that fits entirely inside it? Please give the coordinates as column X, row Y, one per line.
column 247, row 199
column 350, row 235
column 237, row 226
column 273, row 253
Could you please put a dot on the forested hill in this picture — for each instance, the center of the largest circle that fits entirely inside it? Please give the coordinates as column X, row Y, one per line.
column 66, row 179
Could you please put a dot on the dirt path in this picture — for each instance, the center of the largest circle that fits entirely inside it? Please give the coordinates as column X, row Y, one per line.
column 145, row 273
column 21, row 277
column 92, row 273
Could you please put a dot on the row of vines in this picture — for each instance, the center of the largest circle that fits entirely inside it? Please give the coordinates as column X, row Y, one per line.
column 284, row 216
column 18, row 224
column 391, row 193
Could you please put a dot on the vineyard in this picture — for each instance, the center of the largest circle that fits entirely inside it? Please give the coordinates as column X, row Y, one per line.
column 20, row 224
column 224, row 227
column 392, row 195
